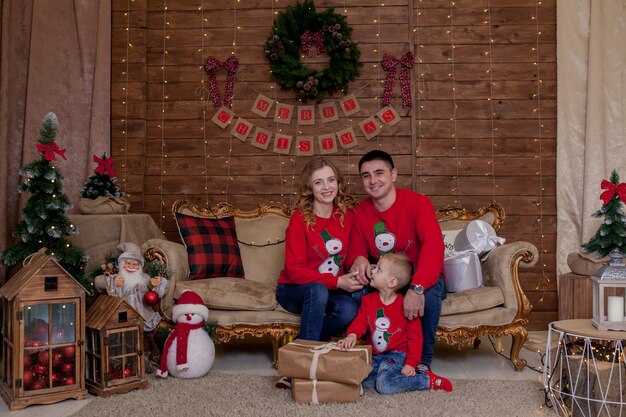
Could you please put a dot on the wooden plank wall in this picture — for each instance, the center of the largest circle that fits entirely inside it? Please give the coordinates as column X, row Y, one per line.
column 482, row 127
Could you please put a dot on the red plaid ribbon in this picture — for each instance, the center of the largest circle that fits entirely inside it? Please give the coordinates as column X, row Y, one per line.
column 212, row 66
column 389, row 64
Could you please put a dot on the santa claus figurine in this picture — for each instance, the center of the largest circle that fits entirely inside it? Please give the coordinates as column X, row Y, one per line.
column 189, row 351
column 132, row 284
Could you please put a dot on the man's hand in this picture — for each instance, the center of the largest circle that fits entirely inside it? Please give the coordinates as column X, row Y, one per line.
column 155, row 281
column 119, row 281
column 348, row 282
column 408, row 370
column 364, row 269
column 347, row 342
column 413, row 305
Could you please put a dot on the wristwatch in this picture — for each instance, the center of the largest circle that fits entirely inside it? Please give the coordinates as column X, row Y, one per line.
column 417, row 288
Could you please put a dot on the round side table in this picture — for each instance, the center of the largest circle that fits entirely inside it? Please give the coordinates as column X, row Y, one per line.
column 584, row 371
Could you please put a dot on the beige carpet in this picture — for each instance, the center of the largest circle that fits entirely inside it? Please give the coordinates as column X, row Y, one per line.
column 220, row 395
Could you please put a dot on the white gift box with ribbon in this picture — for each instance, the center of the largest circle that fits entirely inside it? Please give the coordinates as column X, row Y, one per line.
column 479, row 237
column 462, row 271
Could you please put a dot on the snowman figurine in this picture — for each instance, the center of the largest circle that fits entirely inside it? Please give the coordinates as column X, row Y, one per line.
column 380, row 336
column 385, row 241
column 189, row 351
column 333, row 246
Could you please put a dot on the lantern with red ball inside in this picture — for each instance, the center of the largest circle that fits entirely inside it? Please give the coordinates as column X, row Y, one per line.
column 48, row 305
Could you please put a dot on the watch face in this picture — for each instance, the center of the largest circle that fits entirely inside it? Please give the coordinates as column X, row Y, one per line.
column 417, row 288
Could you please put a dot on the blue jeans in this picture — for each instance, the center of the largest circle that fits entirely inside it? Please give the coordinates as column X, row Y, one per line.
column 433, row 298
column 386, row 376
column 324, row 313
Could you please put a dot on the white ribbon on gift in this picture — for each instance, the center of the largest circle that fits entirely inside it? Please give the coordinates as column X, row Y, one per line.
column 484, row 238
column 322, row 350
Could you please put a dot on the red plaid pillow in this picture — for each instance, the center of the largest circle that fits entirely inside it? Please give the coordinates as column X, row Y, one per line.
column 212, row 247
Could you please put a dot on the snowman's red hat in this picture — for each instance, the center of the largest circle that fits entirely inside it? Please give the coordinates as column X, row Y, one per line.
column 190, row 303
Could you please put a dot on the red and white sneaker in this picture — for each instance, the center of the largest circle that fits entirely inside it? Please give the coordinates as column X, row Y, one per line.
column 438, row 383
column 283, row 383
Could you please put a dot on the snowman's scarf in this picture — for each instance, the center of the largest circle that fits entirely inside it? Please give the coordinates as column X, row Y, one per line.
column 180, row 333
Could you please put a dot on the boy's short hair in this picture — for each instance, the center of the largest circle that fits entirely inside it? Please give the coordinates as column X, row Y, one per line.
column 400, row 267
column 377, row 155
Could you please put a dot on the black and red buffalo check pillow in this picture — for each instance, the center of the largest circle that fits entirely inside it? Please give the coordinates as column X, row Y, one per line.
column 212, row 247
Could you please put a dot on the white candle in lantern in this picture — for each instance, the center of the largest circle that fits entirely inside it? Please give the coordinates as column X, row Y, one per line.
column 615, row 308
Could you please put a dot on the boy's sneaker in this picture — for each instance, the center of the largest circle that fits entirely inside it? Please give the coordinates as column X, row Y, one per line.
column 284, row 383
column 438, row 382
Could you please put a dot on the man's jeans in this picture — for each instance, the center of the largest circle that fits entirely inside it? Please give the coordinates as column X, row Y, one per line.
column 386, row 376
column 324, row 313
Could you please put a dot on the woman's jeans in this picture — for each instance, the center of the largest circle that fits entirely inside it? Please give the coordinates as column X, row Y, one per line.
column 324, row 313
column 386, row 376
column 434, row 297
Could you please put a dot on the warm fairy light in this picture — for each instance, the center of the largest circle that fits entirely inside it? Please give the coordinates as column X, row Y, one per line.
column 162, row 126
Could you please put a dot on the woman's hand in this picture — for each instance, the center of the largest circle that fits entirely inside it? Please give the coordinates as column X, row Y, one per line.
column 348, row 282
column 347, row 342
column 364, row 269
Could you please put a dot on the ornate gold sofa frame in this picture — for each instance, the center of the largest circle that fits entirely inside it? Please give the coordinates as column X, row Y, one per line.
column 499, row 308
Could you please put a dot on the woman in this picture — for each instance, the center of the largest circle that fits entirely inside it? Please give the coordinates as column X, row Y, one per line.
column 313, row 283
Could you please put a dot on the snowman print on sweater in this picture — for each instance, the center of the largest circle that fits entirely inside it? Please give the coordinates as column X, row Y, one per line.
column 331, row 264
column 385, row 241
column 380, row 336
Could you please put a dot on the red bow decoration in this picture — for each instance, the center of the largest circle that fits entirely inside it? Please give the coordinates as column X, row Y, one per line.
column 389, row 64
column 104, row 165
column 611, row 190
column 49, row 150
column 211, row 67
column 309, row 39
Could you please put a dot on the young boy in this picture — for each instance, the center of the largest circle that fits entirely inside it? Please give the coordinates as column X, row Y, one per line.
column 396, row 342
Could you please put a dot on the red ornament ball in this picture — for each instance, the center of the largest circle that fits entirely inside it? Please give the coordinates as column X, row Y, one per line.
column 70, row 380
column 28, row 361
column 69, row 351
column 38, row 384
column 28, row 378
column 151, row 298
column 55, row 378
column 43, row 357
column 40, row 370
column 128, row 371
column 67, row 368
column 56, row 359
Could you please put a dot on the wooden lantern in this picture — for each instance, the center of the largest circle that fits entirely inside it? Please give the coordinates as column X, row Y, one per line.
column 609, row 297
column 43, row 332
column 114, row 349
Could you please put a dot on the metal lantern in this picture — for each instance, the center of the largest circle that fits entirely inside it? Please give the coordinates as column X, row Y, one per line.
column 42, row 335
column 114, row 349
column 609, row 295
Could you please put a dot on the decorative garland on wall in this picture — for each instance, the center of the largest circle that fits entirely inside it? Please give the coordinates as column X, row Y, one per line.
column 299, row 28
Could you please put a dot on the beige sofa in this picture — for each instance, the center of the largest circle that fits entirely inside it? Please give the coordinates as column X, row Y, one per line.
column 248, row 306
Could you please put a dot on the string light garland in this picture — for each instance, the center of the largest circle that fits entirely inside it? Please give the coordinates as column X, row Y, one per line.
column 452, row 75
column 124, row 149
column 229, row 178
column 162, row 125
column 203, row 98
column 539, row 141
column 491, row 163
column 420, row 106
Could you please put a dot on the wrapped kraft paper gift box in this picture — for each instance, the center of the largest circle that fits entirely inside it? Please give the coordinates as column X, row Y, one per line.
column 315, row 391
column 311, row 360
column 462, row 271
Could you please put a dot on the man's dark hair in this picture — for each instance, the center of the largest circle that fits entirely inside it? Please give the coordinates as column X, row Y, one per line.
column 376, row 155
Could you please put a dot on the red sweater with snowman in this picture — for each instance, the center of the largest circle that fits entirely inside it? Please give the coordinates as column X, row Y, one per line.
column 409, row 227
column 316, row 254
column 387, row 329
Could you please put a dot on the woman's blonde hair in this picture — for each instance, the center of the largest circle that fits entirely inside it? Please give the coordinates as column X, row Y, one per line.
column 305, row 201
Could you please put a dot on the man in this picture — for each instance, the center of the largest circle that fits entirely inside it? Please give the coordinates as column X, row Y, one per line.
column 400, row 221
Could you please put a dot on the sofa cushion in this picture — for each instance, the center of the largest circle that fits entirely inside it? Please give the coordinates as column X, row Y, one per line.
column 475, row 299
column 231, row 293
column 212, row 247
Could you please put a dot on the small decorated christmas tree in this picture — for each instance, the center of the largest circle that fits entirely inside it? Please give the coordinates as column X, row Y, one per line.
column 612, row 233
column 44, row 223
column 103, row 182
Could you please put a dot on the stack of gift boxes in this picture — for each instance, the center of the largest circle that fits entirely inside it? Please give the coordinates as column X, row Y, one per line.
column 322, row 372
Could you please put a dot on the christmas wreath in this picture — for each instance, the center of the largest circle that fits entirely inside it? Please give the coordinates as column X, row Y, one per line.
column 299, row 28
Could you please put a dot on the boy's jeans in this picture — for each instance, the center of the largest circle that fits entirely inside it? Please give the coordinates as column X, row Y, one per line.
column 386, row 376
